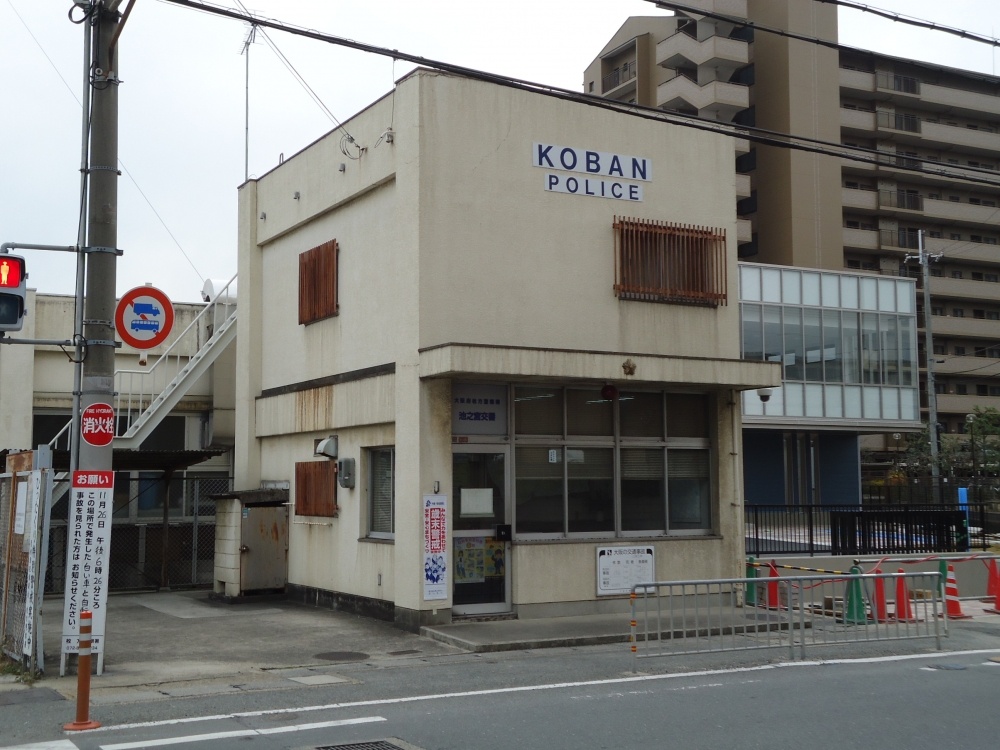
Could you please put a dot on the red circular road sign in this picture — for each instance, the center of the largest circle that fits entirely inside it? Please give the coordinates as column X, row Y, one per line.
column 144, row 317
column 97, row 424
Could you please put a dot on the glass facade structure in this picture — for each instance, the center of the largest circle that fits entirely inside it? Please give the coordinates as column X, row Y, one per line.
column 847, row 343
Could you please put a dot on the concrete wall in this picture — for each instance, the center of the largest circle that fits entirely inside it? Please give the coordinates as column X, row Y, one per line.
column 447, row 236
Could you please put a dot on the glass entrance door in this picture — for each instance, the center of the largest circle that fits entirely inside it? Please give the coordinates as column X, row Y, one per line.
column 481, row 530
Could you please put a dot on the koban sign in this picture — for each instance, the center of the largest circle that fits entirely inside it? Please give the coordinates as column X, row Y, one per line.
column 606, row 175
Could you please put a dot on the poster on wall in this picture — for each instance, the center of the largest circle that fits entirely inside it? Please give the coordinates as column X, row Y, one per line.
column 470, row 559
column 496, row 559
column 621, row 568
column 435, row 547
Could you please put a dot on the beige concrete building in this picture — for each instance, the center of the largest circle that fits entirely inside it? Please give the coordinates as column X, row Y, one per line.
column 174, row 408
column 493, row 351
column 936, row 131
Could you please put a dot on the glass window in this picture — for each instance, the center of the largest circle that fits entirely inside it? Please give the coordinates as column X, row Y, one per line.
column 833, row 371
column 831, row 290
column 791, row 289
column 590, row 484
column 538, row 411
column 813, row 338
column 852, row 348
column 810, row 288
column 688, row 490
column 793, row 351
column 773, row 344
column 687, row 415
column 381, row 492
column 870, row 360
column 589, row 413
column 749, row 283
column 539, row 486
column 641, row 414
column 753, row 340
column 564, row 486
column 643, row 500
column 771, row 284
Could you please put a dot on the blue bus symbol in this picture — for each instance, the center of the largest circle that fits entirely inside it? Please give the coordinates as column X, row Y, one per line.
column 145, row 325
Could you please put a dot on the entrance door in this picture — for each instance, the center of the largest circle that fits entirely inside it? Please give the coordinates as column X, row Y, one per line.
column 481, row 559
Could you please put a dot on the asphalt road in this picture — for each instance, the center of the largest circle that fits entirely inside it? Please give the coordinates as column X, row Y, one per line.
column 579, row 698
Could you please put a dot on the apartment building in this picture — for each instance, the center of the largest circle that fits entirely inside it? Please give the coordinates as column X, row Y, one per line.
column 936, row 131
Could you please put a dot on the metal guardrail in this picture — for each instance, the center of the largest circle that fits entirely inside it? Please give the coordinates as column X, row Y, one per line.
column 671, row 618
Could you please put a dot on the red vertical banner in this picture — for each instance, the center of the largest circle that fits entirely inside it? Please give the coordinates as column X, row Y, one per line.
column 435, row 547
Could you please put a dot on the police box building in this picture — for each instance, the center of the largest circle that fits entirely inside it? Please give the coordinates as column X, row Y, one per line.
column 489, row 350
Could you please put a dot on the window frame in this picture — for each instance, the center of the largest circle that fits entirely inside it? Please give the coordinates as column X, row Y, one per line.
column 617, row 442
column 370, row 531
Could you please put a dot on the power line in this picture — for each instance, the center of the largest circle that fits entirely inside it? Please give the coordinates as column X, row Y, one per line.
column 747, row 132
column 912, row 21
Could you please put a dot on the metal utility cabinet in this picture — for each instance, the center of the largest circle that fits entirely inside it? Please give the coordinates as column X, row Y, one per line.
column 251, row 543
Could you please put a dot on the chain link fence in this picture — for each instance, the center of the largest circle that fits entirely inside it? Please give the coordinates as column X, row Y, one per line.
column 163, row 532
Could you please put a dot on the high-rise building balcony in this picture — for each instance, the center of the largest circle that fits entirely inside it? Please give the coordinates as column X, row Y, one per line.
column 735, row 8
column 857, row 121
column 903, row 89
column 716, row 98
column 980, row 366
column 985, row 291
column 724, row 54
column 956, row 211
column 948, row 403
column 965, row 327
column 860, row 239
column 972, row 252
column 743, row 186
column 863, row 200
column 960, row 101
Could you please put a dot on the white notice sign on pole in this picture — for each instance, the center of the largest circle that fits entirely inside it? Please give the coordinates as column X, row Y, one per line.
column 87, row 550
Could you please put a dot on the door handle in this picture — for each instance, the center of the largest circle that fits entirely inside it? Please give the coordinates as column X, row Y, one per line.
column 244, row 548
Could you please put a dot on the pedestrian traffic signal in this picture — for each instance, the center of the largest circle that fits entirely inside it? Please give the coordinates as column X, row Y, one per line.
column 13, row 290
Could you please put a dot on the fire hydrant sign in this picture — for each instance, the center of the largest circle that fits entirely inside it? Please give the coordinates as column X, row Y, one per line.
column 435, row 547
column 88, row 547
column 144, row 317
column 97, row 424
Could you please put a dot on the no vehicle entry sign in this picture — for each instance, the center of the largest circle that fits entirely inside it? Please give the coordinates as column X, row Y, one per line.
column 144, row 317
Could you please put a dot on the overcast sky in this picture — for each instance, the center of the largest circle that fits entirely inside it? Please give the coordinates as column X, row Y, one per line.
column 181, row 131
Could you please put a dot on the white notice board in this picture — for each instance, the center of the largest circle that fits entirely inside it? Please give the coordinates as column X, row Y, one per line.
column 621, row 568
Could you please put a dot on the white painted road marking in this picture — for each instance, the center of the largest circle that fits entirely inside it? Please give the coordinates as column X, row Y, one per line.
column 239, row 733
column 532, row 688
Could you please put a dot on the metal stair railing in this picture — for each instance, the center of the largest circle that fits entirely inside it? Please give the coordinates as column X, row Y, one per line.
column 144, row 397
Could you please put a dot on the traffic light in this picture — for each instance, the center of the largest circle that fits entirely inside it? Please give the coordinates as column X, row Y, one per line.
column 13, row 289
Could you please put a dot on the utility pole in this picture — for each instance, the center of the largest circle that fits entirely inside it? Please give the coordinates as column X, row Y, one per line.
column 932, row 419
column 97, row 381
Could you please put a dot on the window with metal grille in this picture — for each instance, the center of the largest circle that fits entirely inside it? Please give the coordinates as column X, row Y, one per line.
column 670, row 263
column 316, row 488
column 318, row 283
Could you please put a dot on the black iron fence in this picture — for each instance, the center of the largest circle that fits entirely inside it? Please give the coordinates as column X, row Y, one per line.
column 867, row 530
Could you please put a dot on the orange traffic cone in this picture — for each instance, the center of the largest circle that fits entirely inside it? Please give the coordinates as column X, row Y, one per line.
column 996, row 595
column 953, row 607
column 773, row 597
column 992, row 581
column 881, row 612
column 904, row 612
